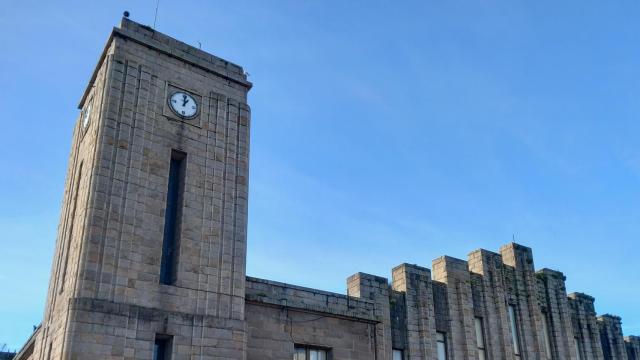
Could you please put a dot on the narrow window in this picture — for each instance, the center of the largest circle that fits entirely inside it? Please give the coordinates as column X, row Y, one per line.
column 162, row 348
column 303, row 352
column 398, row 354
column 441, row 345
column 514, row 330
column 482, row 353
column 547, row 336
column 49, row 352
column 172, row 215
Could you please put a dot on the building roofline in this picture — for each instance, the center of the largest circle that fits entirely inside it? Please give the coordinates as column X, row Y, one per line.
column 28, row 344
column 147, row 36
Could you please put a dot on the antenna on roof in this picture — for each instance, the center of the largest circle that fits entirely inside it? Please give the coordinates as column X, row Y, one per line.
column 155, row 18
column 513, row 237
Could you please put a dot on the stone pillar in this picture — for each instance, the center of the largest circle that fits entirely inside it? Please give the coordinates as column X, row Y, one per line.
column 585, row 326
column 376, row 289
column 415, row 282
column 611, row 337
column 557, row 314
column 633, row 347
column 461, row 338
column 524, row 294
column 496, row 321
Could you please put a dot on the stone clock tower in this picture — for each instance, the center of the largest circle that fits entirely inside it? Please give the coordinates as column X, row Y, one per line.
column 150, row 257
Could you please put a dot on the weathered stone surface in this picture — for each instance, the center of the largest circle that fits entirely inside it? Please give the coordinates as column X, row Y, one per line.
column 611, row 338
column 106, row 300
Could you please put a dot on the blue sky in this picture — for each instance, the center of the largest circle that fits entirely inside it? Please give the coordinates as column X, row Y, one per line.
column 383, row 132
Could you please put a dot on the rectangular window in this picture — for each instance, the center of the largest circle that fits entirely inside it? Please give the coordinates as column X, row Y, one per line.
column 162, row 348
column 172, row 216
column 441, row 345
column 398, row 355
column 482, row 353
column 310, row 353
column 514, row 330
column 547, row 336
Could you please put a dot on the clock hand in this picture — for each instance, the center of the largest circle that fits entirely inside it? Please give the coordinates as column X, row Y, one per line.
column 184, row 100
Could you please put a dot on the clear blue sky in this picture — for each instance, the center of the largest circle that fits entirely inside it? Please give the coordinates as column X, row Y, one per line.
column 383, row 132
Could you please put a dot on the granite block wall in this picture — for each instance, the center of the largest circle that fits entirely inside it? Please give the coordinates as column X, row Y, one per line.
column 491, row 299
column 377, row 290
column 419, row 313
column 454, row 273
column 419, row 303
column 585, row 326
column 106, row 299
column 111, row 231
column 611, row 338
column 281, row 316
column 558, row 334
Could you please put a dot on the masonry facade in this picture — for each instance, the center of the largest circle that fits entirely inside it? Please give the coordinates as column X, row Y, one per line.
column 151, row 251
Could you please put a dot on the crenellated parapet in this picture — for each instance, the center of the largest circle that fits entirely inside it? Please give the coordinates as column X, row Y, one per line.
column 491, row 306
column 497, row 306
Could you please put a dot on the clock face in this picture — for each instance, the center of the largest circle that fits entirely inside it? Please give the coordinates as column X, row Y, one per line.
column 183, row 104
column 86, row 114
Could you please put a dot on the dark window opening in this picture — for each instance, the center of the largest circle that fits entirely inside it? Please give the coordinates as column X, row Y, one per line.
column 304, row 352
column 49, row 352
column 515, row 339
column 398, row 354
column 482, row 351
column 548, row 340
column 172, row 216
column 441, row 345
column 162, row 348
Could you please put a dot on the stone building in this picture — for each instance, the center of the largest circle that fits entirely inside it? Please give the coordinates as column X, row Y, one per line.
column 151, row 248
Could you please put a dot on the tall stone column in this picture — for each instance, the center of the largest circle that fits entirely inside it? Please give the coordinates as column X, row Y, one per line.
column 558, row 316
column 455, row 274
column 611, row 337
column 633, row 347
column 376, row 289
column 496, row 321
column 415, row 282
column 583, row 318
column 528, row 314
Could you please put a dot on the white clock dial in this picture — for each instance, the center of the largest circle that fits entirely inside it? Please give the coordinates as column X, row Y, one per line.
column 183, row 104
column 86, row 114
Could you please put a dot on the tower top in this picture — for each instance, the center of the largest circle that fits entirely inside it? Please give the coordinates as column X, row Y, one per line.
column 147, row 36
